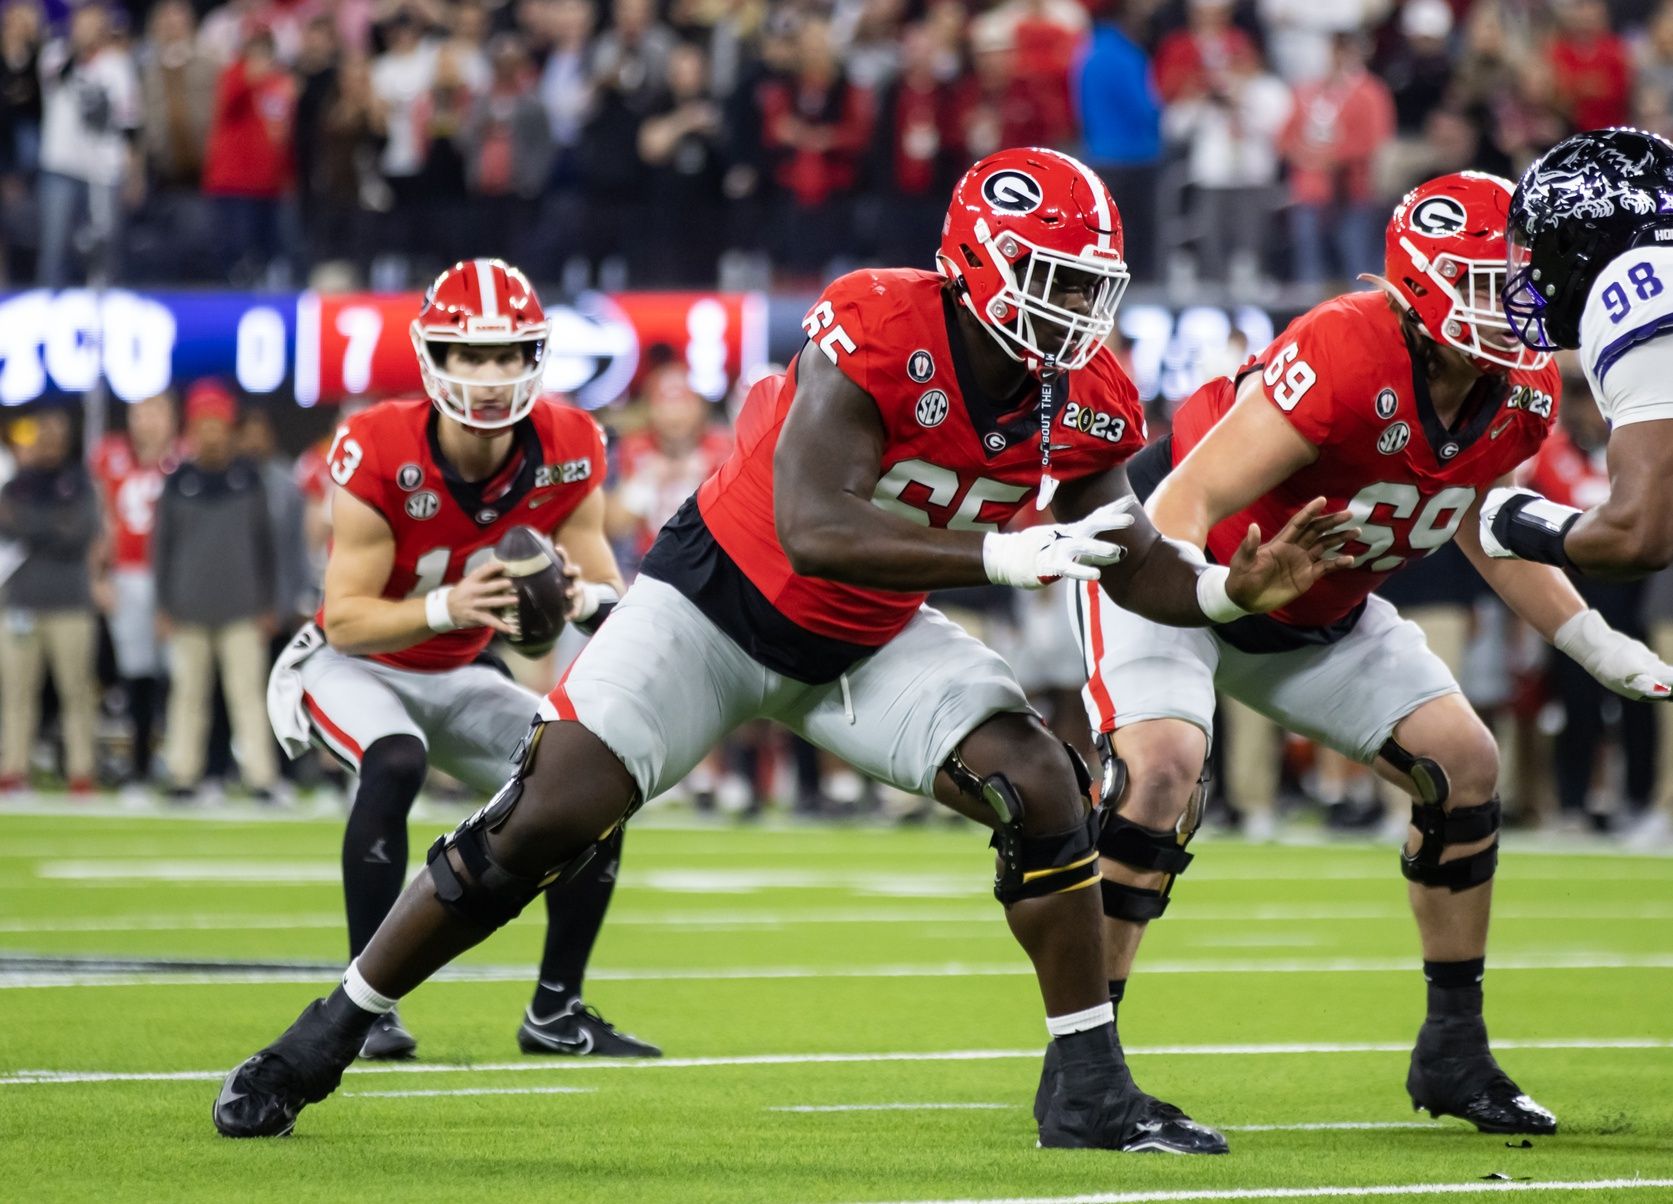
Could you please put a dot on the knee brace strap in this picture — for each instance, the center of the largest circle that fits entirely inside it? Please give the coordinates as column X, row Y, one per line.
column 1054, row 864
column 1134, row 903
column 1144, row 848
column 1440, row 828
column 1425, row 772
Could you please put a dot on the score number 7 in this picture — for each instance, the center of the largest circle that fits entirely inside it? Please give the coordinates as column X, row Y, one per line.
column 1289, row 378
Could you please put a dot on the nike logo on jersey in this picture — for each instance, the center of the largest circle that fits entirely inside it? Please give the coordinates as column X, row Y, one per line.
column 536, row 503
column 1501, row 426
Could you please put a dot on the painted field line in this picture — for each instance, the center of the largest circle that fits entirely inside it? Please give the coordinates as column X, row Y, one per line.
column 1316, row 1193
column 91, row 975
column 733, row 921
column 889, row 1107
column 469, row 1091
column 32, row 1078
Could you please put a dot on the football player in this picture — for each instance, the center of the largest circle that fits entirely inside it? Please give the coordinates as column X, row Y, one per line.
column 923, row 412
column 1403, row 405
column 391, row 676
column 1590, row 246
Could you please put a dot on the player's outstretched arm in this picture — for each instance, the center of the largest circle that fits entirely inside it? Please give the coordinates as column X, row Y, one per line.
column 1170, row 581
column 1629, row 535
column 359, row 621
column 825, row 470
column 1544, row 598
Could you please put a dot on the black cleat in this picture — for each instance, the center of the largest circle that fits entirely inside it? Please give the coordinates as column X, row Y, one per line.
column 388, row 1040
column 1117, row 1116
column 1453, row 1073
column 580, row 1031
column 264, row 1093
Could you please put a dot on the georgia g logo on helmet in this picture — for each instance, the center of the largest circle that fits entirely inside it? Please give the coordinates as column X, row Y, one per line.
column 1439, row 215
column 1012, row 191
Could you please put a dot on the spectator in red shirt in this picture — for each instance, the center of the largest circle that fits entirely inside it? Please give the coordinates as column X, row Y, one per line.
column 1192, row 62
column 1335, row 133
column 996, row 108
column 1591, row 67
column 816, row 127
column 248, row 164
column 920, row 153
column 660, row 466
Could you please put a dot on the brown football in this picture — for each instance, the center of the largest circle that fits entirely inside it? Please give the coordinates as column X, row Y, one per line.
column 535, row 570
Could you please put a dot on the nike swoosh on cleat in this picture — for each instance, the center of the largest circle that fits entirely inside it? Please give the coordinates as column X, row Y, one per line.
column 581, row 1045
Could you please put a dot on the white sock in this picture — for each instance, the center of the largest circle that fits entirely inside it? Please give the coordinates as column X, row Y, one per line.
column 1080, row 1022
column 361, row 994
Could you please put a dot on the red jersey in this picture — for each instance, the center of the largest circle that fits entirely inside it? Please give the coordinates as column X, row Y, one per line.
column 130, row 491
column 1342, row 374
column 443, row 526
column 1566, row 474
column 951, row 458
column 651, row 484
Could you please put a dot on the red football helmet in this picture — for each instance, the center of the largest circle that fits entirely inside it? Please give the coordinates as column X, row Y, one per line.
column 1028, row 226
column 1445, row 262
column 484, row 302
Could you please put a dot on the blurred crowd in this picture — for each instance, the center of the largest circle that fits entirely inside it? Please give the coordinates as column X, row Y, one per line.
column 147, row 584
column 1250, row 143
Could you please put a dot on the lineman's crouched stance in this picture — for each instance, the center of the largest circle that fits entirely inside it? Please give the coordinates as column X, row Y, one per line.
column 790, row 587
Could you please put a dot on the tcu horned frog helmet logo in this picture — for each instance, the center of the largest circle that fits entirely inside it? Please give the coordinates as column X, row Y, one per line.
column 1445, row 265
column 482, row 302
column 1033, row 243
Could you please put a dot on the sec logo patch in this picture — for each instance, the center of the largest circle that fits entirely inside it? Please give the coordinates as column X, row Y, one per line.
column 423, row 504
column 932, row 408
column 1394, row 439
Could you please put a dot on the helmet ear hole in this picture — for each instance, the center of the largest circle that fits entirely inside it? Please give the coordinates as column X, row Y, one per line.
column 970, row 256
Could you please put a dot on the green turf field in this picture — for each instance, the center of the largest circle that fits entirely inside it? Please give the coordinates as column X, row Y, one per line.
column 845, row 1016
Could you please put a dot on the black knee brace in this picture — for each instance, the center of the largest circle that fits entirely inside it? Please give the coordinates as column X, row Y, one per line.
column 488, row 895
column 1439, row 827
column 1142, row 848
column 1032, row 866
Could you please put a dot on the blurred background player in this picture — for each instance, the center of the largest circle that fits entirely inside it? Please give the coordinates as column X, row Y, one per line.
column 129, row 467
column 391, row 675
column 212, row 552
column 1403, row 406
column 49, row 520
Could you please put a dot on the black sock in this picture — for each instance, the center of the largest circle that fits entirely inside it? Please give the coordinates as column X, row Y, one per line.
column 1455, row 987
column 1118, row 990
column 375, row 839
column 345, row 1014
column 142, row 708
column 574, row 913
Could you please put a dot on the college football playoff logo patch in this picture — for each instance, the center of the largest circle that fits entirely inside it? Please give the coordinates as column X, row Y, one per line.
column 932, row 408
column 1012, row 191
column 423, row 504
column 920, row 366
column 1394, row 439
column 1387, row 402
column 1439, row 215
column 409, row 477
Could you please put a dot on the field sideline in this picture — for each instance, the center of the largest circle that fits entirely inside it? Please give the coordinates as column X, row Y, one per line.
column 845, row 1015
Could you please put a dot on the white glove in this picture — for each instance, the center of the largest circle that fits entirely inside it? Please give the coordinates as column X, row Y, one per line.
column 1618, row 661
column 1040, row 555
column 1496, row 498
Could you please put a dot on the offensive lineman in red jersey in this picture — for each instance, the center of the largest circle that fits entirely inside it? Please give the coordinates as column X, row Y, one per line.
column 880, row 466
column 1404, row 406
column 390, row 674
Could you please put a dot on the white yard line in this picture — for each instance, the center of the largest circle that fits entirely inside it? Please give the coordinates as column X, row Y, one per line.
column 94, row 977
column 469, row 1091
column 30, row 1078
column 890, row 1107
column 1316, row 1193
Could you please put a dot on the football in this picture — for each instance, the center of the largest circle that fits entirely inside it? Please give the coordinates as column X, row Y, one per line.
column 536, row 571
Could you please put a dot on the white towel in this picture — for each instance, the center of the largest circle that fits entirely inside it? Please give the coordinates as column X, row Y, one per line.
column 285, row 709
